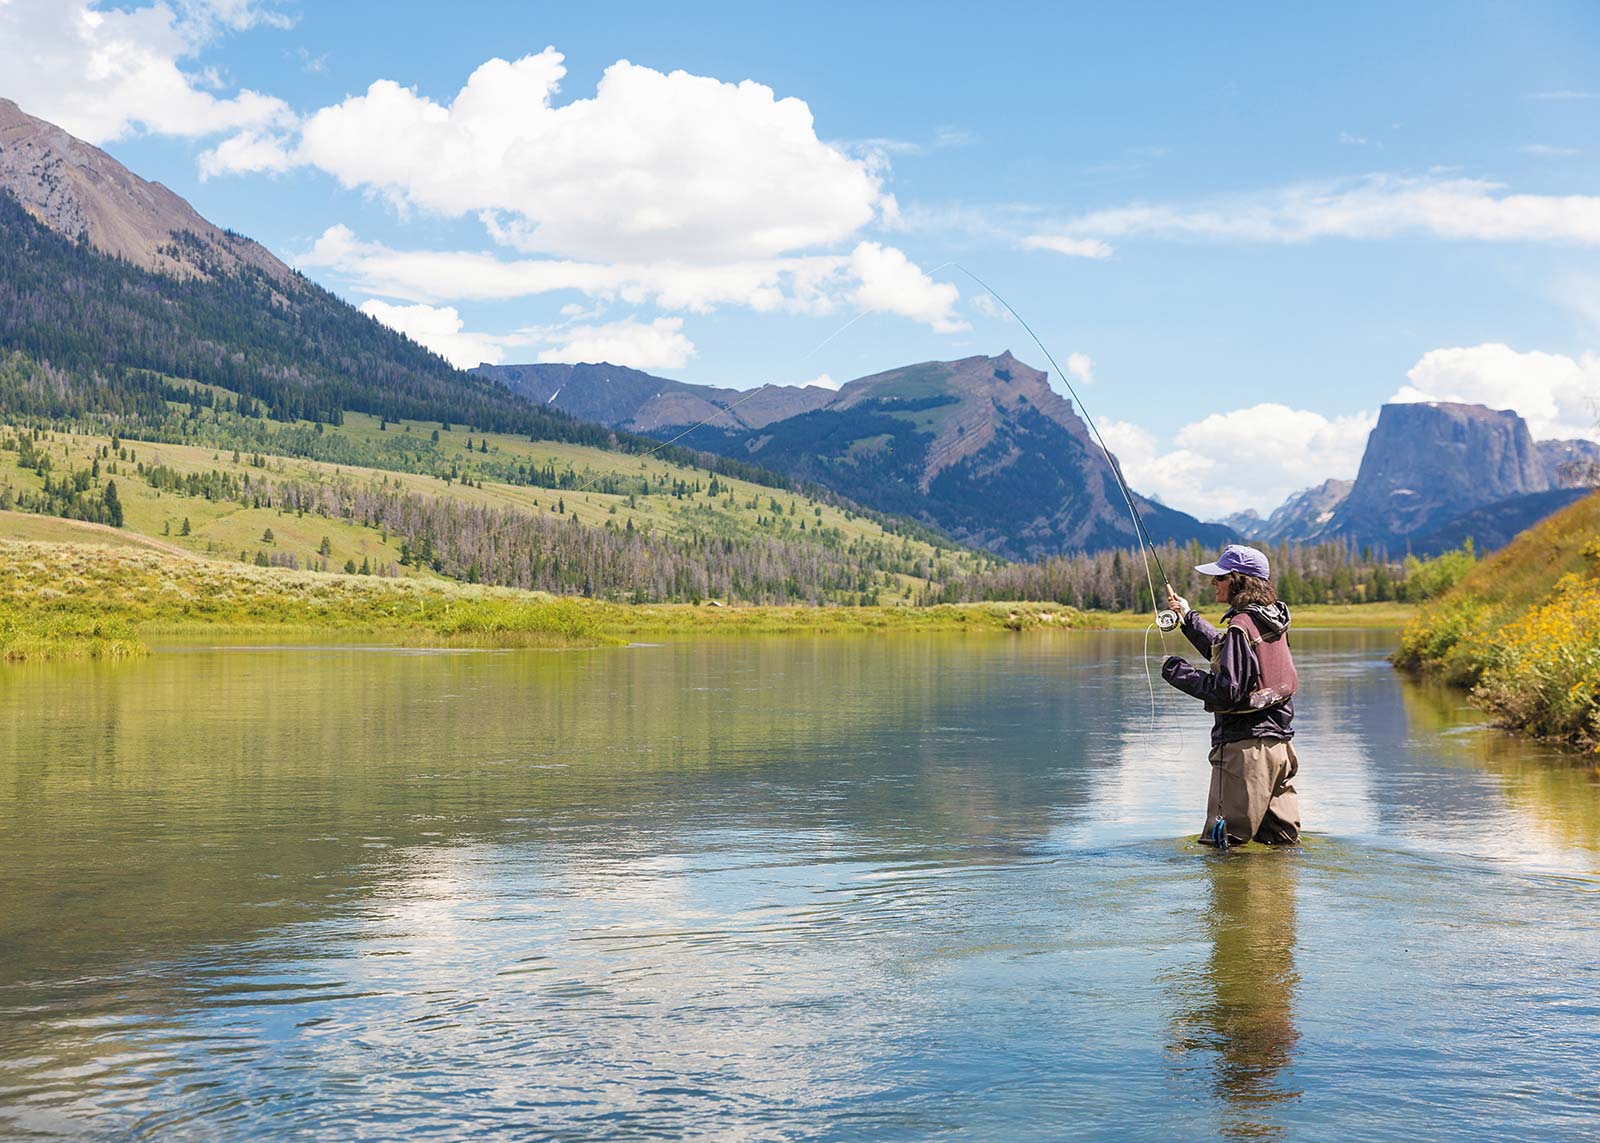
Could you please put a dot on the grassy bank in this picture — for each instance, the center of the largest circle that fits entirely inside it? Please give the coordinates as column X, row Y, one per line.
column 80, row 599
column 89, row 600
column 1522, row 630
column 61, row 600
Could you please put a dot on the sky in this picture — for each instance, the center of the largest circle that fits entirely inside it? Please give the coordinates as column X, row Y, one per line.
column 1240, row 228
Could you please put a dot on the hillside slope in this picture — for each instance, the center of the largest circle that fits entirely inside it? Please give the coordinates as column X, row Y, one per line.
column 1522, row 629
column 981, row 448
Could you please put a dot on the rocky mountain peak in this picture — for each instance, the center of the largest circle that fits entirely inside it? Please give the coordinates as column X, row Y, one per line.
column 1426, row 462
column 80, row 191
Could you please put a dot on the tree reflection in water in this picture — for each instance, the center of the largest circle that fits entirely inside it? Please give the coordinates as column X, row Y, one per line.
column 1234, row 1028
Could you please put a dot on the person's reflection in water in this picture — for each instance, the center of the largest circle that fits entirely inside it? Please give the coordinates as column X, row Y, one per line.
column 1235, row 1024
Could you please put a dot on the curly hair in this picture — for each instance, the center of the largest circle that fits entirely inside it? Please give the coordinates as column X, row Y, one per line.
column 1247, row 591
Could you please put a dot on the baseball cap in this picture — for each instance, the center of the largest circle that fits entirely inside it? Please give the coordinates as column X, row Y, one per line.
column 1238, row 558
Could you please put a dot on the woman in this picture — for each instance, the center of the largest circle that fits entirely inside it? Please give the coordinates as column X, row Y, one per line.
column 1250, row 689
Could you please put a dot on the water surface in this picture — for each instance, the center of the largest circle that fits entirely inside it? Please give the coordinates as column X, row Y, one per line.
column 898, row 889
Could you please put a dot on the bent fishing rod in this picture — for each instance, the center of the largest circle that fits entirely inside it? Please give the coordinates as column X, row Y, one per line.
column 1166, row 618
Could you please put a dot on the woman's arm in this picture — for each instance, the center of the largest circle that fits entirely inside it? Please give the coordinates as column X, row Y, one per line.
column 1200, row 633
column 1227, row 685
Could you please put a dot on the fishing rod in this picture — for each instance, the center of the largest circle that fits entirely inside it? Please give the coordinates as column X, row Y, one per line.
column 1166, row 618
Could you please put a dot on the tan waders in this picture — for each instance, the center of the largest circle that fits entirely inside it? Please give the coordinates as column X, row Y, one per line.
column 1252, row 788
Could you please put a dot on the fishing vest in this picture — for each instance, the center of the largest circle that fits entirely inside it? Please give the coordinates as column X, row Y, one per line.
column 1278, row 677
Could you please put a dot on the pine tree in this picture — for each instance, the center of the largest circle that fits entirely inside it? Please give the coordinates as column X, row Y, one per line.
column 113, row 504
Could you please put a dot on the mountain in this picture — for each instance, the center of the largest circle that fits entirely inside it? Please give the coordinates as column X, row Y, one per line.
column 982, row 448
column 639, row 402
column 1495, row 525
column 1434, row 475
column 1304, row 515
column 116, row 296
column 1428, row 463
column 1571, row 464
column 82, row 192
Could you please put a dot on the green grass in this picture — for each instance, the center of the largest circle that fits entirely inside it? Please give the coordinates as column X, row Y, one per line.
column 1522, row 630
column 220, row 529
column 56, row 596
column 63, row 600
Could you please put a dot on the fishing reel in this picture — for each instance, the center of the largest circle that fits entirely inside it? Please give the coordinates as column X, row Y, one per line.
column 1167, row 619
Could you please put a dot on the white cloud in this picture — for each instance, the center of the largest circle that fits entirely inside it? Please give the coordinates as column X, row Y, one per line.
column 1554, row 393
column 873, row 277
column 1547, row 151
column 441, row 330
column 989, row 306
column 889, row 282
column 102, row 74
column 659, row 345
column 246, row 151
column 1206, row 473
column 1349, row 140
column 1081, row 366
column 661, row 167
column 1380, row 206
column 822, row 381
column 1072, row 247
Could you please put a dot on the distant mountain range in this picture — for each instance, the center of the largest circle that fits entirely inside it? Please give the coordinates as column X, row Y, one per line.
column 982, row 448
column 639, row 402
column 1433, row 475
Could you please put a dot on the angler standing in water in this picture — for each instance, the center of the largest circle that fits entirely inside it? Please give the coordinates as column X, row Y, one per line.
column 1250, row 689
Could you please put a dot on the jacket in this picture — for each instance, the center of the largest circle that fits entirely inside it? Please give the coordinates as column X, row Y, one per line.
column 1235, row 673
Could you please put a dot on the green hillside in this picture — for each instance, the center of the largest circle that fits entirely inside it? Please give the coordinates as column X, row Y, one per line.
column 603, row 523
column 1522, row 629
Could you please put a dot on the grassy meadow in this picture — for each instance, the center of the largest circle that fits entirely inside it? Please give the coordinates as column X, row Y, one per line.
column 1522, row 630
column 99, row 600
column 228, row 530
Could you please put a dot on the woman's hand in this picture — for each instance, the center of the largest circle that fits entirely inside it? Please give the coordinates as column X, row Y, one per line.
column 1177, row 603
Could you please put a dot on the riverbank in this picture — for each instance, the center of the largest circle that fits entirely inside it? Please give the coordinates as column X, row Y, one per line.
column 1521, row 631
column 94, row 601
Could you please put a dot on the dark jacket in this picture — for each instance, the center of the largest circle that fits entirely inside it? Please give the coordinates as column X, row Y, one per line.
column 1235, row 672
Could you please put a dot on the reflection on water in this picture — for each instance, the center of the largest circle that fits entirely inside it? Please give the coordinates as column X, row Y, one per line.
column 819, row 889
column 1237, row 1013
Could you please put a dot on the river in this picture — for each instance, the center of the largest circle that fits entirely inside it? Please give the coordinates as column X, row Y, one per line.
column 791, row 889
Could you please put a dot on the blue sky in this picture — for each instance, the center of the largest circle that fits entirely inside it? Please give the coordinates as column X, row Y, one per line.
column 1242, row 227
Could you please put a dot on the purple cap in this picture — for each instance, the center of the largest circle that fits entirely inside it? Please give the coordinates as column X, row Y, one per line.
column 1238, row 558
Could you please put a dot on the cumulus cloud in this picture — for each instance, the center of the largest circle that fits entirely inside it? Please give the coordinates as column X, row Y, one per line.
column 1380, row 206
column 104, row 73
column 660, row 167
column 822, row 381
column 1204, row 474
column 1554, row 393
column 872, row 277
column 1072, row 247
column 442, row 330
column 247, row 150
column 1081, row 366
column 889, row 282
column 661, row 344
